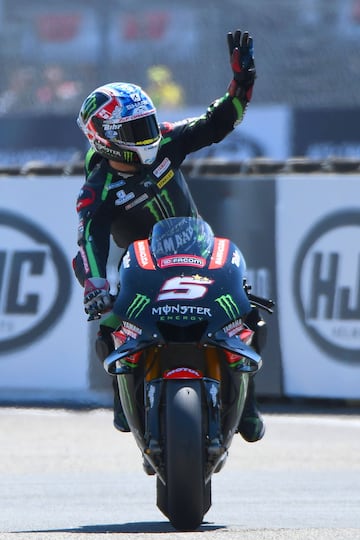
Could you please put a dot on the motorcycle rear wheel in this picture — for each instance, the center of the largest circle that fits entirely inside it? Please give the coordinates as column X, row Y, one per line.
column 185, row 455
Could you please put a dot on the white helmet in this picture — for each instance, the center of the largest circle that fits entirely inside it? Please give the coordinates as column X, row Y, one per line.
column 119, row 120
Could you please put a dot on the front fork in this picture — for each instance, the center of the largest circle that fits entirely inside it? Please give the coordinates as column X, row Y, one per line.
column 153, row 402
column 153, row 392
column 219, row 428
column 220, row 425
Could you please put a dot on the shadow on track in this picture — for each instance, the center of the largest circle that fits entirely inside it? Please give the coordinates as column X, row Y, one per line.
column 157, row 527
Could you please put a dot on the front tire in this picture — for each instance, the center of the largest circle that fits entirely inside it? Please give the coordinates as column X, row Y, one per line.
column 184, row 455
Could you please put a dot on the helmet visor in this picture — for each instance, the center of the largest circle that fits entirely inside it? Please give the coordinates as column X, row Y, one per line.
column 139, row 132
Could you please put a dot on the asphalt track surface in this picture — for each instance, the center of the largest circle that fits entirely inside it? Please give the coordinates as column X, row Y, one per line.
column 67, row 474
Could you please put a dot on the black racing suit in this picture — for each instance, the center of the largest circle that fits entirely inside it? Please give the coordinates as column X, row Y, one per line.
column 127, row 207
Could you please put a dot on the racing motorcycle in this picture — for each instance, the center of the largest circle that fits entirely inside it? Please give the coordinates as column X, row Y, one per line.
column 183, row 357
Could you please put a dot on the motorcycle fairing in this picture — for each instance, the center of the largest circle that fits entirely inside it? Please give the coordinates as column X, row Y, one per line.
column 176, row 287
column 182, row 293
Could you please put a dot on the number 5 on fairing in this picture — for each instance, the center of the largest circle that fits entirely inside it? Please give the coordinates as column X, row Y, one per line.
column 184, row 287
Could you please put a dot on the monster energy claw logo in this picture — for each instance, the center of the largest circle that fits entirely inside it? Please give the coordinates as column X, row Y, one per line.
column 227, row 303
column 137, row 306
column 161, row 206
column 90, row 106
column 128, row 156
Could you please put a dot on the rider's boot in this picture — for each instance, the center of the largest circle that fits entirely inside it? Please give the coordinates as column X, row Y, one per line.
column 120, row 422
column 104, row 346
column 251, row 425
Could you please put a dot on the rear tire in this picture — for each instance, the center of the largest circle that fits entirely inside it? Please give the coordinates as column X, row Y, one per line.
column 185, row 455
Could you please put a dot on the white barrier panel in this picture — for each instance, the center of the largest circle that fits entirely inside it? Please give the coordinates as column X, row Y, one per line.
column 265, row 131
column 318, row 250
column 43, row 331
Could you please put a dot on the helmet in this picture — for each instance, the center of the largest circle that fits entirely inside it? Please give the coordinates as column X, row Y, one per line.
column 119, row 120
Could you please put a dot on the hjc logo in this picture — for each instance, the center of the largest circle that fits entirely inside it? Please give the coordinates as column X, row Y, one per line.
column 35, row 281
column 327, row 285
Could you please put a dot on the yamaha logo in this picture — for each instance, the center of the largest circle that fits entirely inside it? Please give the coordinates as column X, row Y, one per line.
column 327, row 285
column 35, row 281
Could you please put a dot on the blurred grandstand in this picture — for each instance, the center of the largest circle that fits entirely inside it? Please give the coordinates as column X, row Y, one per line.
column 53, row 54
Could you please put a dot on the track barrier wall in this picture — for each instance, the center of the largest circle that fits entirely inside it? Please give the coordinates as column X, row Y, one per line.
column 297, row 223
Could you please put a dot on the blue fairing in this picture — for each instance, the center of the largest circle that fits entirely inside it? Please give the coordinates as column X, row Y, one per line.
column 187, row 276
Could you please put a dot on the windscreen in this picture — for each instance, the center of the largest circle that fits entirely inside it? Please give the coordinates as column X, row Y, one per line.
column 182, row 235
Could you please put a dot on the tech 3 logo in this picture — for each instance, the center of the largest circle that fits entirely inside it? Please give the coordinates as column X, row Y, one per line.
column 35, row 281
column 137, row 306
column 228, row 304
column 327, row 285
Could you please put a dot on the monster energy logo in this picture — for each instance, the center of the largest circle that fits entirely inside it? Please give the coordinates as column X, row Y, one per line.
column 161, row 206
column 137, row 306
column 128, row 156
column 90, row 106
column 227, row 303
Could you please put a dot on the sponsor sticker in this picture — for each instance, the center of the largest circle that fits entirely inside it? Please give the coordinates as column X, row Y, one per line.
column 126, row 260
column 236, row 258
column 86, row 198
column 115, row 185
column 165, row 179
column 137, row 201
column 181, row 260
column 228, row 304
column 183, row 373
column 327, row 285
column 131, row 330
column 143, row 255
column 35, row 281
column 137, row 306
column 234, row 327
column 220, row 253
column 122, row 197
column 181, row 310
column 160, row 169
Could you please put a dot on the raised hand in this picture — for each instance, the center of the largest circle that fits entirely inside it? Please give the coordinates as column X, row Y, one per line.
column 241, row 49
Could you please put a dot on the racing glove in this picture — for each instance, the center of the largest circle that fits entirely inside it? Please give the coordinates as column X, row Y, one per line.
column 97, row 298
column 241, row 51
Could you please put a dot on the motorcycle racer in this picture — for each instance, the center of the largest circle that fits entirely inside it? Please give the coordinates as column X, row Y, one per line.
column 133, row 179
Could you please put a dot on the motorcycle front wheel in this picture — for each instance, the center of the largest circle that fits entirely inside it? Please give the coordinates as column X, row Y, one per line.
column 186, row 493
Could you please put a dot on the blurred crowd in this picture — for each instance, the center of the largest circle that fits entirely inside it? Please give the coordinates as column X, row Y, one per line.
column 53, row 90
column 47, row 90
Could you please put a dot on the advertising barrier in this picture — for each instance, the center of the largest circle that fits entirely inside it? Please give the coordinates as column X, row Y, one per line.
column 299, row 233
column 318, row 265
column 322, row 132
column 43, row 341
